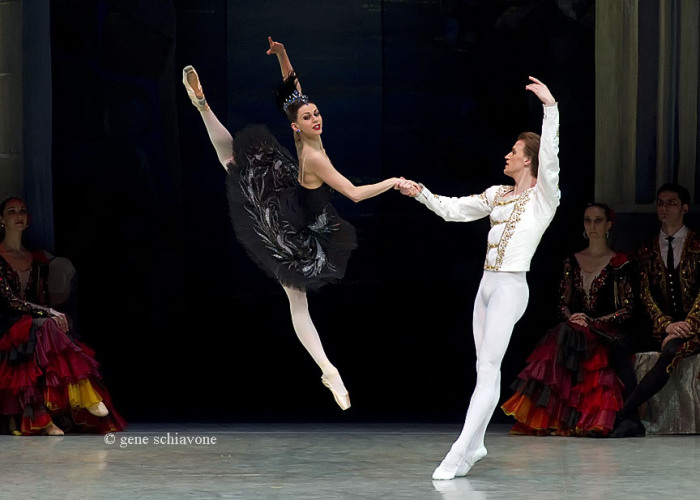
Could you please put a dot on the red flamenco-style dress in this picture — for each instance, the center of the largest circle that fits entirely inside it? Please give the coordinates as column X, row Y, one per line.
column 44, row 373
column 568, row 387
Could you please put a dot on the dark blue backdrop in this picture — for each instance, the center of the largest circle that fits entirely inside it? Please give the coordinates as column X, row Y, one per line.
column 185, row 325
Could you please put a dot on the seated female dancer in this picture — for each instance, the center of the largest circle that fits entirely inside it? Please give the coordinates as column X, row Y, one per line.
column 281, row 210
column 43, row 371
column 572, row 382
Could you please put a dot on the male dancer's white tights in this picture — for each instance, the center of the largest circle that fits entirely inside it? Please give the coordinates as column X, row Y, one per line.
column 500, row 302
column 301, row 320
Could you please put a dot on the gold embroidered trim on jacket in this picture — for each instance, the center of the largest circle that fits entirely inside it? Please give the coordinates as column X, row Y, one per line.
column 513, row 219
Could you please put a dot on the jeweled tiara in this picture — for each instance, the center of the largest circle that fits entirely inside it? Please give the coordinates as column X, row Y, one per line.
column 295, row 97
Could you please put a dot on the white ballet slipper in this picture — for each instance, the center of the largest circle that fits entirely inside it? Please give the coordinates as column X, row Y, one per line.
column 465, row 466
column 444, row 473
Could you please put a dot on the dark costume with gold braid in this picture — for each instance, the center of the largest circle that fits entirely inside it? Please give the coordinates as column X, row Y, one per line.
column 575, row 377
column 668, row 295
column 657, row 292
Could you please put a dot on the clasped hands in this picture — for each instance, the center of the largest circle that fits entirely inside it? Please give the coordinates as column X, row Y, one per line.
column 579, row 319
column 60, row 319
column 677, row 330
column 408, row 188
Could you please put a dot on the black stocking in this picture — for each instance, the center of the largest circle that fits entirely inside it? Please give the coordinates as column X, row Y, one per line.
column 622, row 362
column 653, row 381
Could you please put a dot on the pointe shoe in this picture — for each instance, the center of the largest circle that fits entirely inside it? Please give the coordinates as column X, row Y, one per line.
column 465, row 466
column 99, row 409
column 190, row 79
column 340, row 394
column 53, row 430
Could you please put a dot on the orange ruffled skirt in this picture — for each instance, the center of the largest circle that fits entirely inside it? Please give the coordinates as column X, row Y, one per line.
column 568, row 386
column 44, row 374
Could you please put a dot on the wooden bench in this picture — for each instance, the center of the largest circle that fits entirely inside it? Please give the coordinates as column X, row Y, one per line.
column 675, row 409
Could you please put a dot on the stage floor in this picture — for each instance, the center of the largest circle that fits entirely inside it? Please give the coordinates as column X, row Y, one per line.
column 339, row 461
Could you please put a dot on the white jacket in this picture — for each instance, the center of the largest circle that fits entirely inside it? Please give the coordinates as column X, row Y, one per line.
column 518, row 223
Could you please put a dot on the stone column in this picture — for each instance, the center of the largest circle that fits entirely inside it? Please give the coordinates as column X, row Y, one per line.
column 616, row 101
column 688, row 93
column 647, row 100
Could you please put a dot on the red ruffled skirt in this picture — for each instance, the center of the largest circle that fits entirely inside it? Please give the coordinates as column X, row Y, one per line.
column 45, row 375
column 568, row 386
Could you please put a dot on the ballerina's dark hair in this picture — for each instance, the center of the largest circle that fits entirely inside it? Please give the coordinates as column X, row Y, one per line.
column 288, row 97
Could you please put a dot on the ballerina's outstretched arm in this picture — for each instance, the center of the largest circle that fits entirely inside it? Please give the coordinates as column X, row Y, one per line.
column 278, row 49
column 320, row 166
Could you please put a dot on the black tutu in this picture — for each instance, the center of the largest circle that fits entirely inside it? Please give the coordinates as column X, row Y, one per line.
column 294, row 234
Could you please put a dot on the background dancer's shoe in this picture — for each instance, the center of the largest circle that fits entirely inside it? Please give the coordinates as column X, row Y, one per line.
column 53, row 430
column 99, row 409
column 629, row 427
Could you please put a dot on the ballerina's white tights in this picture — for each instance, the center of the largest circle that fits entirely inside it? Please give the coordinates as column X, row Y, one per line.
column 500, row 303
column 219, row 136
column 304, row 327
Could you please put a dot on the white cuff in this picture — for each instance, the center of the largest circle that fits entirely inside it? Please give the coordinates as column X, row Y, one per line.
column 424, row 195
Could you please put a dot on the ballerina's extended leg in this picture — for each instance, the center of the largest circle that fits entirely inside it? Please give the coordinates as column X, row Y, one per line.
column 219, row 136
column 308, row 335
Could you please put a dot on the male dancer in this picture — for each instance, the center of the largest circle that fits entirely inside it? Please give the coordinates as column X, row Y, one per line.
column 670, row 293
column 519, row 215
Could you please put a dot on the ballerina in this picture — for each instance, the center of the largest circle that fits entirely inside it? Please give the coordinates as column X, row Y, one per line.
column 280, row 208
